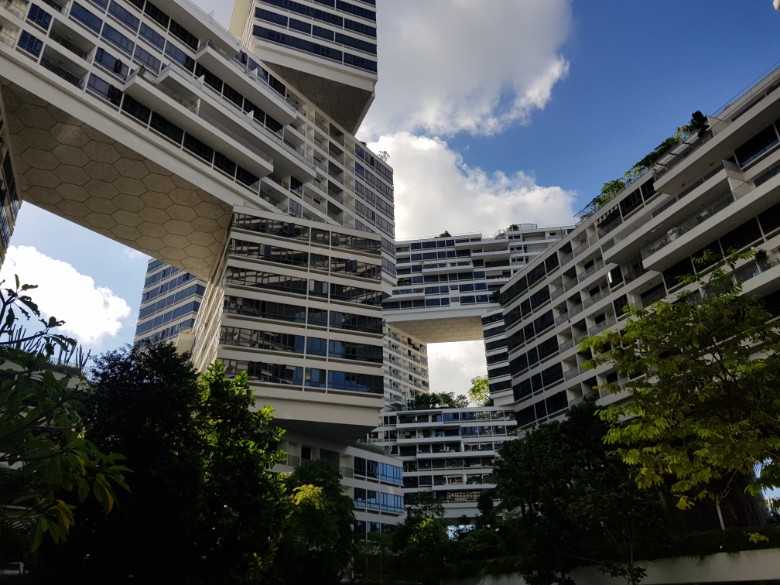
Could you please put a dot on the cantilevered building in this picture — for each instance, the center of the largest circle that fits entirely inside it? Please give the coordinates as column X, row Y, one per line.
column 144, row 121
column 718, row 190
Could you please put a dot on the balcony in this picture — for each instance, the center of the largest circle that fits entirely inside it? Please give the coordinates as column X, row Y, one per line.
column 721, row 203
column 253, row 84
column 599, row 327
column 590, row 271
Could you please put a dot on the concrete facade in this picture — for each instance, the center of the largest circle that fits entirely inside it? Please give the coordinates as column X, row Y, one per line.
column 718, row 190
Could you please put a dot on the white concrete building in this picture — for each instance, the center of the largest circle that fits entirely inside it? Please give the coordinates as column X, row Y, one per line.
column 447, row 452
column 718, row 190
column 232, row 159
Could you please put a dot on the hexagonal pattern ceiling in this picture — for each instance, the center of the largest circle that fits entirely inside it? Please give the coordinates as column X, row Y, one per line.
column 68, row 168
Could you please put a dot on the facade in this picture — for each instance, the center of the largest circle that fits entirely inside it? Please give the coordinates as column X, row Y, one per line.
column 447, row 452
column 445, row 284
column 9, row 199
column 718, row 190
column 236, row 167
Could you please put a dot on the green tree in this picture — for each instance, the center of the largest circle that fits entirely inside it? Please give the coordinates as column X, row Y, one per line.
column 422, row 543
column 47, row 465
column 318, row 538
column 701, row 372
column 533, row 478
column 203, row 507
column 572, row 502
column 479, row 392
column 243, row 508
column 438, row 400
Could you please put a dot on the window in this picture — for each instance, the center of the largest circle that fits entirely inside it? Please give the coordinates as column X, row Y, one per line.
column 110, row 63
column 39, row 16
column 136, row 109
column 179, row 56
column 754, row 148
column 157, row 15
column 117, row 39
column 104, row 89
column 152, row 36
column 124, row 16
column 167, row 128
column 184, row 35
column 145, row 58
column 198, row 148
column 30, row 44
column 85, row 17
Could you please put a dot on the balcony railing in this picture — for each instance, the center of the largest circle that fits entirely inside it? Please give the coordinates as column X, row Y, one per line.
column 566, row 345
column 599, row 327
column 13, row 8
column 715, row 207
column 62, row 72
column 7, row 39
column 583, row 275
column 68, row 45
column 593, row 299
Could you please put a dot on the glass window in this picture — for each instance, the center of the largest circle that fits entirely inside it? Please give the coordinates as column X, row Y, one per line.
column 124, row 16
column 145, row 58
column 117, row 39
column 179, row 56
column 152, row 36
column 85, row 17
column 39, row 16
column 30, row 44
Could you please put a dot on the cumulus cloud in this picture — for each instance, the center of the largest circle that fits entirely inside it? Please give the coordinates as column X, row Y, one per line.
column 465, row 65
column 453, row 365
column 436, row 191
column 90, row 312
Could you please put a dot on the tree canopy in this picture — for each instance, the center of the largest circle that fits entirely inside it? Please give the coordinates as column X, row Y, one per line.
column 438, row 400
column 701, row 374
column 47, row 465
column 203, row 506
column 479, row 391
column 318, row 538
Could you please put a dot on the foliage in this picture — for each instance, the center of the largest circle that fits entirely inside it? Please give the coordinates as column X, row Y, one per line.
column 47, row 463
column 479, row 392
column 242, row 501
column 572, row 502
column 701, row 373
column 422, row 543
column 203, row 507
column 438, row 400
column 317, row 541
column 444, row 234
column 697, row 125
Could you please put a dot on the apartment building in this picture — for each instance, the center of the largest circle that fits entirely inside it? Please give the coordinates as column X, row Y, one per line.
column 447, row 453
column 446, row 283
column 718, row 190
column 232, row 162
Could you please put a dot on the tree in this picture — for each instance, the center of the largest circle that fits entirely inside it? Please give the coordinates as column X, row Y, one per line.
column 701, row 375
column 203, row 507
column 317, row 543
column 479, row 392
column 533, row 477
column 570, row 501
column 421, row 542
column 243, row 508
column 47, row 465
column 438, row 400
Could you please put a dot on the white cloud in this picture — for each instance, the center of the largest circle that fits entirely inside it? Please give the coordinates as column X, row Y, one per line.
column 436, row 191
column 453, row 365
column 466, row 65
column 90, row 312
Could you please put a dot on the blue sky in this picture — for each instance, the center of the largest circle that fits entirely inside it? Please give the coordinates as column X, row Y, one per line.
column 493, row 112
